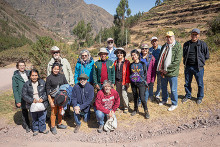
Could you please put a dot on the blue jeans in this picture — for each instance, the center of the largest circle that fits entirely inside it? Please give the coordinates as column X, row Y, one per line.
column 85, row 115
column 189, row 72
column 38, row 121
column 151, row 90
column 173, row 86
column 157, row 93
column 100, row 116
column 146, row 95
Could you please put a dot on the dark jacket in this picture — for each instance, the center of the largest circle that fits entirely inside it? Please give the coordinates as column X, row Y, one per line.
column 82, row 96
column 27, row 93
column 97, row 69
column 17, row 85
column 202, row 53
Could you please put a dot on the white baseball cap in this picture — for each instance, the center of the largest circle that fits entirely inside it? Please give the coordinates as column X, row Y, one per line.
column 153, row 38
column 55, row 49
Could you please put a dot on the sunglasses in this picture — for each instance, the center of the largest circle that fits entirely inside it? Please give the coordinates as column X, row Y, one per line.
column 144, row 48
column 82, row 79
column 119, row 52
column 56, row 52
column 110, row 42
column 84, row 55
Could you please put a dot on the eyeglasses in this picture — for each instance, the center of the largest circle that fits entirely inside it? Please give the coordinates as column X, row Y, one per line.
column 82, row 79
column 110, row 42
column 144, row 48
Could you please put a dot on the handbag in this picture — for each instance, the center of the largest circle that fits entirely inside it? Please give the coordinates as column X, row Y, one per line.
column 54, row 92
column 111, row 124
column 36, row 107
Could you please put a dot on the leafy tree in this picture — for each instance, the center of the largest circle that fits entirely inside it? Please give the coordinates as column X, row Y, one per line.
column 158, row 2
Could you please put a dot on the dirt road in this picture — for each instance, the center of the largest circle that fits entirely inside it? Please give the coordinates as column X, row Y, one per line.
column 6, row 78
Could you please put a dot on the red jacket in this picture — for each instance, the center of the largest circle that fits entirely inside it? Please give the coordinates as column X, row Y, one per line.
column 105, row 103
column 126, row 72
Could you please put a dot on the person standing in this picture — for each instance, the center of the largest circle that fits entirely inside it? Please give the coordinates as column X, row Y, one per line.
column 82, row 96
column 19, row 78
column 122, row 78
column 138, row 76
column 111, row 49
column 195, row 53
column 84, row 65
column 34, row 93
column 155, row 51
column 103, row 69
column 168, row 66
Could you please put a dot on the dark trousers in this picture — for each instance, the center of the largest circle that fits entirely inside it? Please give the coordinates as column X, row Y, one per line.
column 38, row 121
column 25, row 118
column 138, row 90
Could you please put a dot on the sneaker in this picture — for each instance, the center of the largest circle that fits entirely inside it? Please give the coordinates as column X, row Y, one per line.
column 185, row 99
column 77, row 128
column 125, row 110
column 173, row 107
column 53, row 130
column 147, row 115
column 61, row 126
column 162, row 103
column 35, row 133
column 133, row 113
column 199, row 102
column 45, row 132
column 152, row 99
column 100, row 129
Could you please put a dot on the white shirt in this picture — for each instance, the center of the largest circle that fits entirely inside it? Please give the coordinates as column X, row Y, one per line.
column 24, row 76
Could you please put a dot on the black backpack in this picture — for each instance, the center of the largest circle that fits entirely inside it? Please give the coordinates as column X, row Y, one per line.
column 61, row 98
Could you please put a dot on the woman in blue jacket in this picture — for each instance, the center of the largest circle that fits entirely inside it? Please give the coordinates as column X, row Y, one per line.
column 84, row 65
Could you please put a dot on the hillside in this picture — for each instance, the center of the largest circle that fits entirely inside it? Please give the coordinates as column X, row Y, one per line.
column 177, row 16
column 15, row 25
column 62, row 15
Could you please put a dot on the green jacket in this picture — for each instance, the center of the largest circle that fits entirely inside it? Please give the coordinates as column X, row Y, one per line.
column 17, row 85
column 177, row 53
column 97, row 71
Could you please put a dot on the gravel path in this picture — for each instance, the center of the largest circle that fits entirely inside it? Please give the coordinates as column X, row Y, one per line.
column 6, row 78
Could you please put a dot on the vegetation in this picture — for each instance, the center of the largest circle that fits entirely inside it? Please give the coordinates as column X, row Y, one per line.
column 213, row 35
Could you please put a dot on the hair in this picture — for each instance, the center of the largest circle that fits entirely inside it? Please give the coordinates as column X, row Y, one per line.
column 107, row 82
column 124, row 53
column 20, row 61
column 84, row 51
column 34, row 70
column 55, row 64
column 136, row 52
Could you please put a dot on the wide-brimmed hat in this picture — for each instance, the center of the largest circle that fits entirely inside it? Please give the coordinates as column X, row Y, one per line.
column 103, row 50
column 144, row 45
column 83, row 76
column 120, row 49
column 169, row 33
column 110, row 39
column 55, row 49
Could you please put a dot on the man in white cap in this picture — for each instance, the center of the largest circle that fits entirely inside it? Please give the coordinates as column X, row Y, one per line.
column 111, row 49
column 104, row 69
column 155, row 51
column 66, row 68
column 168, row 66
column 195, row 53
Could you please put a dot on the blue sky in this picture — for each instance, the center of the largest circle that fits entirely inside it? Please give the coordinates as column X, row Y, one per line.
column 135, row 5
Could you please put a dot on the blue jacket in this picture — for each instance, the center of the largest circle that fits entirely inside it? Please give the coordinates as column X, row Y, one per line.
column 202, row 53
column 111, row 56
column 147, row 63
column 155, row 53
column 82, row 96
column 84, row 68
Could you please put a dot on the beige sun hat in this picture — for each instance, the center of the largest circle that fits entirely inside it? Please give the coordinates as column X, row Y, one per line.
column 54, row 49
column 103, row 50
column 120, row 49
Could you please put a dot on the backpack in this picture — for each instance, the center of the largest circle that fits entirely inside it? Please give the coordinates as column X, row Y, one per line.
column 61, row 98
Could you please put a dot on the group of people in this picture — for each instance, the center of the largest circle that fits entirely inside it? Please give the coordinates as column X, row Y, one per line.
column 112, row 69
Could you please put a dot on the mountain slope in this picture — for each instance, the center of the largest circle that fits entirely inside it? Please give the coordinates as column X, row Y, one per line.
column 178, row 16
column 62, row 15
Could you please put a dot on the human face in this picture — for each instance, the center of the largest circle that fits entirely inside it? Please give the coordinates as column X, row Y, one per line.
column 134, row 56
column 21, row 67
column 56, row 70
column 110, row 43
column 170, row 39
column 103, row 56
column 56, row 55
column 120, row 55
column 194, row 37
column 83, row 81
column 84, row 56
column 144, row 51
column 34, row 77
column 107, row 88
column 154, row 43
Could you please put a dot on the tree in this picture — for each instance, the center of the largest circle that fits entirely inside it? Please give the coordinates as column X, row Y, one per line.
column 158, row 2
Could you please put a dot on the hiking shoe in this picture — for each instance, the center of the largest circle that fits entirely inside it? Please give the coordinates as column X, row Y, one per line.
column 61, row 126
column 185, row 99
column 35, row 133
column 152, row 99
column 125, row 110
column 133, row 113
column 77, row 128
column 100, row 129
column 162, row 103
column 27, row 129
column 173, row 107
column 147, row 115
column 45, row 132
column 199, row 102
column 53, row 130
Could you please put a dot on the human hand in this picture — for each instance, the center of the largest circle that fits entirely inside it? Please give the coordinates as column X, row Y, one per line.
column 35, row 101
column 77, row 109
column 111, row 113
column 52, row 104
column 127, row 85
column 18, row 105
column 97, row 86
column 40, row 100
